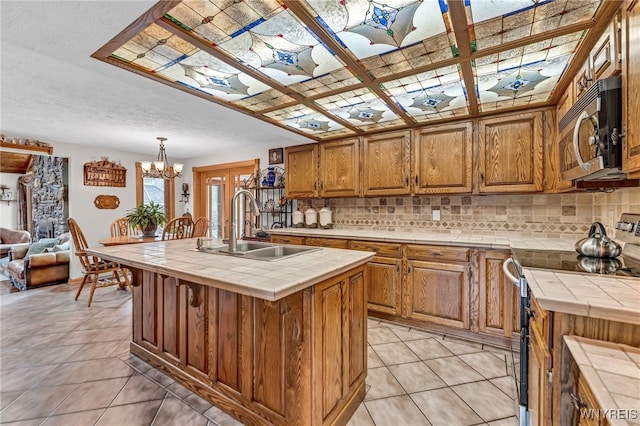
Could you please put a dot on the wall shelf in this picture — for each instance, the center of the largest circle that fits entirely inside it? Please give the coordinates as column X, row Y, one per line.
column 47, row 149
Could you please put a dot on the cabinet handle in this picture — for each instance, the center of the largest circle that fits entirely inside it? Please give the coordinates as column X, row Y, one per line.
column 373, row 248
column 397, row 268
column 482, row 177
column 321, row 185
column 532, row 313
column 416, row 180
column 409, row 270
column 315, row 185
column 575, row 399
column 437, row 253
column 406, row 181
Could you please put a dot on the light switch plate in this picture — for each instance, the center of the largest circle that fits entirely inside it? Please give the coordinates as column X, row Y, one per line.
column 435, row 215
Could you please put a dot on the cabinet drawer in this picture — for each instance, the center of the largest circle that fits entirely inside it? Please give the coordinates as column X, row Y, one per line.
column 327, row 242
column 381, row 249
column 539, row 320
column 425, row 252
column 287, row 239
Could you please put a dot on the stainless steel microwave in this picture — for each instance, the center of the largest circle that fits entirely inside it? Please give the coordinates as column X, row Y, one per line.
column 590, row 134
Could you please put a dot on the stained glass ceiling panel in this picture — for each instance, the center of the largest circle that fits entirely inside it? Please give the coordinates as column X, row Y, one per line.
column 362, row 108
column 389, row 36
column 309, row 121
column 266, row 37
column 431, row 95
column 494, row 22
column 158, row 52
column 525, row 75
column 332, row 68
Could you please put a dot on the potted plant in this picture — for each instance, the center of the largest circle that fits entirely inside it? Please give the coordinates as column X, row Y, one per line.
column 147, row 217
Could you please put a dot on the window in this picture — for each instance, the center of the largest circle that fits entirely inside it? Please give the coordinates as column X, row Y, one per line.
column 160, row 191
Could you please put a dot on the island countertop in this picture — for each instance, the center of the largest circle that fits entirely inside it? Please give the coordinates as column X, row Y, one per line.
column 266, row 280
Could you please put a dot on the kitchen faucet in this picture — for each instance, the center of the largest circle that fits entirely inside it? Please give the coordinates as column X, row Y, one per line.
column 233, row 243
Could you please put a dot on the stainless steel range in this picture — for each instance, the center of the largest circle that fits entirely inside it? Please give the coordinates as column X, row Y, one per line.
column 625, row 265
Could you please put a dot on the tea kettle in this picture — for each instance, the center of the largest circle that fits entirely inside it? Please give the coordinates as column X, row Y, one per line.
column 597, row 244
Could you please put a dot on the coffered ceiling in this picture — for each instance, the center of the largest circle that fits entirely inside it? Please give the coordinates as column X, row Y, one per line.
column 334, row 68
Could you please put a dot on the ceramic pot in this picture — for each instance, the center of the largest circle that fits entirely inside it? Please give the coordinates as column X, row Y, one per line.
column 297, row 219
column 311, row 218
column 325, row 217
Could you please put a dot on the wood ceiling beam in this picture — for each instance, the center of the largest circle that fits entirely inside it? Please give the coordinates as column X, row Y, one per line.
column 263, row 78
column 353, row 64
column 601, row 20
column 461, row 30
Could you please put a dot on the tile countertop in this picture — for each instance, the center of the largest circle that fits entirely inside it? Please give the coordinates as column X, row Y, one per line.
column 266, row 280
column 599, row 296
column 454, row 238
column 612, row 371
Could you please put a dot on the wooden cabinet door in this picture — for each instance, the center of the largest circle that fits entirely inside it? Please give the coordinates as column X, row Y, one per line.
column 340, row 168
column 385, row 284
column 386, row 164
column 510, row 153
column 553, row 181
column 301, row 165
column 631, row 87
column 539, row 387
column 605, row 55
column 498, row 312
column 438, row 293
column 583, row 79
column 442, row 159
column 339, row 349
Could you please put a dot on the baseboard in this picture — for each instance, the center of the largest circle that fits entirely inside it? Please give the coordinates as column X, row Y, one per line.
column 77, row 280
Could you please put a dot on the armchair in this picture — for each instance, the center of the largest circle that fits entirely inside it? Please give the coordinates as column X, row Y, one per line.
column 10, row 238
column 37, row 265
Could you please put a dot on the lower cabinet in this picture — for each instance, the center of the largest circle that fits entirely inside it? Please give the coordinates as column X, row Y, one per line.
column 384, row 292
column 438, row 293
column 539, row 386
column 300, row 360
column 460, row 290
column 498, row 299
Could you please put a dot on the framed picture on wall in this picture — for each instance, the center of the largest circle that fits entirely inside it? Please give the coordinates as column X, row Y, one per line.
column 276, row 156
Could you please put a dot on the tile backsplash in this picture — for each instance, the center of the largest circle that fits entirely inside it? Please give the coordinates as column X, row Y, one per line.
column 542, row 215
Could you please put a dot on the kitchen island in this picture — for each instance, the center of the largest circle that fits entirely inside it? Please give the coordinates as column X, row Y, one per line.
column 280, row 342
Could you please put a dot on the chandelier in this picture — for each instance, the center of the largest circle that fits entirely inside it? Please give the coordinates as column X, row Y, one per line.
column 160, row 168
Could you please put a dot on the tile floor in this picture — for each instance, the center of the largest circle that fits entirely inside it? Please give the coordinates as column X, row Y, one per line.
column 62, row 363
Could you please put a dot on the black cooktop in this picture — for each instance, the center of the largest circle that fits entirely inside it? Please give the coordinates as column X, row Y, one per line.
column 570, row 261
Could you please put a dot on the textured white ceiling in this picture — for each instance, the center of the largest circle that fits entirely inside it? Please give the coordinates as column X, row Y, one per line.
column 52, row 90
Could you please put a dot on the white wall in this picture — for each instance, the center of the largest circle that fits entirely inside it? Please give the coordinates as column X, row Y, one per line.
column 9, row 211
column 95, row 222
column 258, row 150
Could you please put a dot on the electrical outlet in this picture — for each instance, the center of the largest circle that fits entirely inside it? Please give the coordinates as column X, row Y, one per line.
column 435, row 215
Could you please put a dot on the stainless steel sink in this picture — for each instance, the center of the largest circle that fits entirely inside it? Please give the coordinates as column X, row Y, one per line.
column 278, row 252
column 257, row 250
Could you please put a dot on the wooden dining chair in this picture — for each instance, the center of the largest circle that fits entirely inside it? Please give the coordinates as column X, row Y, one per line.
column 93, row 267
column 200, row 227
column 178, row 228
column 121, row 227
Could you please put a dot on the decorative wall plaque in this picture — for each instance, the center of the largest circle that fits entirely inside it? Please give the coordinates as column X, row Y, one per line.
column 107, row 202
column 105, row 173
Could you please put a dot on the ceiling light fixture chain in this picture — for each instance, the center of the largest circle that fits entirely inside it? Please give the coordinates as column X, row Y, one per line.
column 160, row 168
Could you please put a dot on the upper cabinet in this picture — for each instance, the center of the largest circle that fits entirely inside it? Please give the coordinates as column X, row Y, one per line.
column 442, row 159
column 510, row 153
column 386, row 164
column 631, row 88
column 340, row 168
column 553, row 165
column 301, row 165
column 603, row 61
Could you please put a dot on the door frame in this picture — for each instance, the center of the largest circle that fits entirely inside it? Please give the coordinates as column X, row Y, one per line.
column 201, row 174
